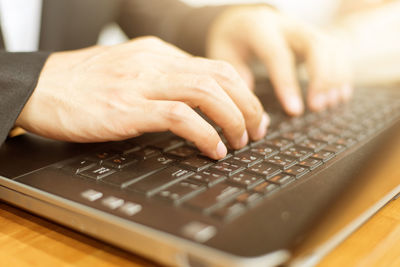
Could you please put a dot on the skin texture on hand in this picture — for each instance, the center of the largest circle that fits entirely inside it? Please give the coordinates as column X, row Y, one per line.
column 243, row 32
column 145, row 85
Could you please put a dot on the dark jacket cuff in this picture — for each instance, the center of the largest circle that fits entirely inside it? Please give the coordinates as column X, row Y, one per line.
column 19, row 74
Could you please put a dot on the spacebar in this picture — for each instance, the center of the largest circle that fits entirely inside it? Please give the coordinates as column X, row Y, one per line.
column 160, row 180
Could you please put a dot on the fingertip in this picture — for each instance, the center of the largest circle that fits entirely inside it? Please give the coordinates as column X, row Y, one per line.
column 244, row 139
column 220, row 151
column 294, row 105
column 262, row 128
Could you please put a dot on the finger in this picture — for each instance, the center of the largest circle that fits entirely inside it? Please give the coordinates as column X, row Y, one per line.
column 279, row 60
column 321, row 90
column 204, row 92
column 327, row 67
column 182, row 120
column 236, row 56
column 344, row 75
column 329, row 80
column 309, row 45
column 230, row 80
column 234, row 86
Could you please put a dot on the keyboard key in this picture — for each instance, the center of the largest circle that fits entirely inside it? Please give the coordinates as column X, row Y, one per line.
column 349, row 141
column 197, row 163
column 282, row 160
column 102, row 155
column 279, row 143
column 311, row 163
column 214, row 197
column 145, row 153
column 112, row 202
column 169, row 143
column 297, row 171
column 130, row 208
column 247, row 158
column 198, row 231
column 265, row 169
column 323, row 155
column 249, row 198
column 180, row 192
column 227, row 167
column 207, row 178
column 298, row 152
column 264, row 150
column 282, row 179
column 80, row 165
column 335, row 148
column 160, row 180
column 126, row 147
column 323, row 137
column 332, row 129
column 265, row 188
column 120, row 161
column 228, row 155
column 97, row 172
column 91, row 195
column 229, row 211
column 294, row 136
column 285, row 126
column 238, row 151
column 312, row 144
column 136, row 172
column 182, row 152
column 245, row 180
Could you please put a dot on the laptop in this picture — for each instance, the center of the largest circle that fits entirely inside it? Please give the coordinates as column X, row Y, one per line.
column 157, row 196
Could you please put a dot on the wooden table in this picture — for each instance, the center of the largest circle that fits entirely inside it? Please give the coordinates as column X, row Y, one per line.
column 28, row 240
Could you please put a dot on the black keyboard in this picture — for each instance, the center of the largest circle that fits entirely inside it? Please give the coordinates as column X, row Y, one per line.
column 171, row 170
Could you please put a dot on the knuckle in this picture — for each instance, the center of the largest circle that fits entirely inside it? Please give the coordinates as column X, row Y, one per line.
column 150, row 40
column 123, row 130
column 236, row 125
column 204, row 86
column 177, row 112
column 224, row 69
column 253, row 111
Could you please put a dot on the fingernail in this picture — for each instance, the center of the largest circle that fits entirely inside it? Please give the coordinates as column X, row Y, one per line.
column 347, row 91
column 221, row 150
column 295, row 105
column 244, row 139
column 262, row 128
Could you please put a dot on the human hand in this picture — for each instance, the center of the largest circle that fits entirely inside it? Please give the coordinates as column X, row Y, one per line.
column 145, row 85
column 243, row 31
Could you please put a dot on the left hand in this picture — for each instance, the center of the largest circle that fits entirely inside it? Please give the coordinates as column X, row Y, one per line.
column 243, row 31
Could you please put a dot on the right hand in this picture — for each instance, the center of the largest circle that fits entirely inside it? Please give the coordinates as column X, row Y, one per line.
column 145, row 85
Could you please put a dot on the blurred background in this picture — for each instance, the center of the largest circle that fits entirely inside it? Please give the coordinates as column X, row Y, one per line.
column 371, row 28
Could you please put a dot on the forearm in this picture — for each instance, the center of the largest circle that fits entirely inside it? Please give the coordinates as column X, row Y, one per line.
column 19, row 74
column 171, row 20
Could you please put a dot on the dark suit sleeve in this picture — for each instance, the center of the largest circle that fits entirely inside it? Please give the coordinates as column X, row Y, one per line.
column 19, row 73
column 171, row 20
